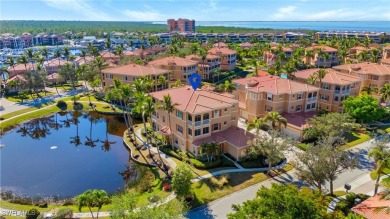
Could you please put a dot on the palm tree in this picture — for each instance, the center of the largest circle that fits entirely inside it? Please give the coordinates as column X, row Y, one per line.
column 374, row 55
column 309, row 55
column 100, row 64
column 91, row 199
column 381, row 155
column 320, row 74
column 177, row 83
column 162, row 81
column 23, row 60
column 370, row 90
column 257, row 124
column 228, row 86
column 57, row 55
column 167, row 105
column 11, row 62
column 45, row 53
column 276, row 119
column 311, row 79
column 385, row 92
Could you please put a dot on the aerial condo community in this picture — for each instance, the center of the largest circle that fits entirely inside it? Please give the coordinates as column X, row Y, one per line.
column 193, row 119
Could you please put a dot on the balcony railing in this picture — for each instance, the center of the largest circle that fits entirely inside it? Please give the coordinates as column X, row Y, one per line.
column 154, row 117
column 346, row 91
column 311, row 99
column 189, row 122
column 205, row 122
column 199, row 123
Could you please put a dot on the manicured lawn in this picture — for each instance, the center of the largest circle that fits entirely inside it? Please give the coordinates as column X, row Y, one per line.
column 355, row 139
column 17, row 97
column 11, row 123
column 18, row 112
column 206, row 192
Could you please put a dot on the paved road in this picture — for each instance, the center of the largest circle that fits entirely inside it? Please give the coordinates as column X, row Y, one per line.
column 221, row 207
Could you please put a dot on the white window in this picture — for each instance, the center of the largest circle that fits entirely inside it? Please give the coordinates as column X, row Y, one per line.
column 300, row 96
column 268, row 108
column 253, row 96
column 216, row 113
column 374, row 77
column 324, row 97
column 180, row 114
column 180, row 129
column 325, row 86
column 216, row 127
column 299, row 108
column 269, row 96
column 197, row 132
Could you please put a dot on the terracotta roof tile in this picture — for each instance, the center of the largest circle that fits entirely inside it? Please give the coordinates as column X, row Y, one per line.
column 134, row 70
column 274, row 85
column 21, row 67
column 198, row 101
column 235, row 136
column 366, row 68
column 174, row 60
column 332, row 76
column 371, row 208
column 323, row 48
column 224, row 51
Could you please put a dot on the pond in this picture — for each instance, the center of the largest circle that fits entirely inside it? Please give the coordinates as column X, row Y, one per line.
column 64, row 155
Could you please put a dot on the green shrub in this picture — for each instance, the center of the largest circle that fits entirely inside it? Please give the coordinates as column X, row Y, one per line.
column 78, row 106
column 206, row 165
column 346, row 204
column 32, row 214
column 219, row 182
column 64, row 213
column 168, row 150
column 62, row 105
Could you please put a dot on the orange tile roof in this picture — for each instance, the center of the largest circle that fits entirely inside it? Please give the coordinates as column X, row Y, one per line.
column 199, row 58
column 198, row 101
column 108, row 55
column 323, row 48
column 220, row 44
column 362, row 48
column 235, row 136
column 134, row 70
column 274, row 85
column 128, row 53
column 261, row 73
column 82, row 60
column 386, row 61
column 366, row 68
column 246, row 45
column 16, row 77
column 21, row 67
column 373, row 208
column 224, row 51
column 55, row 62
column 299, row 119
column 332, row 76
column 174, row 60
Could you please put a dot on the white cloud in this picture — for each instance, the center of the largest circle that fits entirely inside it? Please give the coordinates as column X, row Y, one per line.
column 82, row 7
column 144, row 15
column 287, row 9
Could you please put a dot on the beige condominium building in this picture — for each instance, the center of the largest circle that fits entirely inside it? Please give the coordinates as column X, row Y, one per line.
column 260, row 95
column 180, row 68
column 335, row 87
column 318, row 60
column 129, row 73
column 386, row 52
column 201, row 116
column 228, row 57
column 210, row 64
column 371, row 74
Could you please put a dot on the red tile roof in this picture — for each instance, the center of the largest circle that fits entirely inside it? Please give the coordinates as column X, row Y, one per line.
column 198, row 101
column 323, row 48
column 386, row 61
column 246, row 45
column 220, row 44
column 173, row 60
column 199, row 58
column 108, row 55
column 134, row 70
column 235, row 136
column 224, row 51
column 55, row 63
column 21, row 67
column 332, row 76
column 16, row 78
column 373, row 208
column 299, row 119
column 366, row 68
column 274, row 85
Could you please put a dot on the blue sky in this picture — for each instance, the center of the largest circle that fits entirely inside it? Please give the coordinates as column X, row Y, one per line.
column 200, row 10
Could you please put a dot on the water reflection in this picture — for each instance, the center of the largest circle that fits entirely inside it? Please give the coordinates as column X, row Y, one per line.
column 55, row 155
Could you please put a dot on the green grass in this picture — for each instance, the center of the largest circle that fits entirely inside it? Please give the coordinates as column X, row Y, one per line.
column 354, row 139
column 13, row 122
column 303, row 146
column 205, row 192
column 18, row 112
column 17, row 97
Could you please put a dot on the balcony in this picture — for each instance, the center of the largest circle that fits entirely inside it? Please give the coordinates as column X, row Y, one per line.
column 199, row 123
column 346, row 92
column 337, row 91
column 189, row 122
column 311, row 99
column 154, row 117
column 206, row 122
